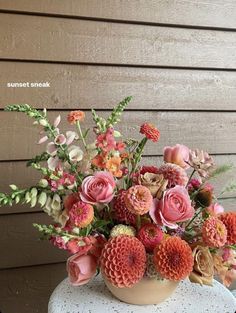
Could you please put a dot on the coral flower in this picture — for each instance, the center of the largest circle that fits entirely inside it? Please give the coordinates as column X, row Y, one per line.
column 173, row 258
column 138, row 199
column 81, row 214
column 106, row 141
column 123, row 261
column 175, row 174
column 229, row 219
column 214, row 232
column 150, row 235
column 148, row 169
column 113, row 166
column 150, row 131
column 121, row 213
column 100, row 160
column 75, row 116
column 179, row 154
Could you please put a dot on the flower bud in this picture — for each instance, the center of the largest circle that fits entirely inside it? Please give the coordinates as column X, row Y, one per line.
column 17, row 199
column 33, row 202
column 43, row 122
column 42, row 199
column 13, row 187
column 33, row 192
column 27, row 197
column 43, row 183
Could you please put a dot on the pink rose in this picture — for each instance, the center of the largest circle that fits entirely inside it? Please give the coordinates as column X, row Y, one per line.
column 178, row 154
column 175, row 206
column 215, row 209
column 81, row 268
column 98, row 188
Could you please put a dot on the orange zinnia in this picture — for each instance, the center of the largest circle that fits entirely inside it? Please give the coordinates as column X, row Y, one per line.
column 75, row 116
column 113, row 166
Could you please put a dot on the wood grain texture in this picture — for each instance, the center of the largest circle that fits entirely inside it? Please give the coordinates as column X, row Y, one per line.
column 217, row 13
column 59, row 39
column 16, row 172
column 26, row 248
column 27, row 290
column 214, row 131
column 81, row 86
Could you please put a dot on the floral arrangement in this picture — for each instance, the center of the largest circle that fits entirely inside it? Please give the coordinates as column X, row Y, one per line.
column 125, row 219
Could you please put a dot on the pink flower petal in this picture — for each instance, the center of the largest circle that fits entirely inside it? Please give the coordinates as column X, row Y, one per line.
column 57, row 121
column 42, row 140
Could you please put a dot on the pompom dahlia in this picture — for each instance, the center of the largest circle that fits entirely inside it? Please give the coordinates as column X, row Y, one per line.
column 175, row 174
column 138, row 199
column 81, row 214
column 173, row 258
column 214, row 232
column 120, row 212
column 150, row 132
column 150, row 235
column 123, row 261
column 122, row 230
column 229, row 219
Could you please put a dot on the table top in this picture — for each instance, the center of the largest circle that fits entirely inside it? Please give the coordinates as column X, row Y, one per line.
column 95, row 297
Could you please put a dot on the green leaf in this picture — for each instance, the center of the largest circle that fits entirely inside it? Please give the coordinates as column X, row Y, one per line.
column 114, row 118
column 222, row 169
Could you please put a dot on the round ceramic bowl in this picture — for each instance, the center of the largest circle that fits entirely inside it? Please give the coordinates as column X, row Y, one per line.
column 146, row 291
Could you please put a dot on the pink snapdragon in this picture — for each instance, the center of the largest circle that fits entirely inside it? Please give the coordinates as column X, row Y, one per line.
column 106, row 141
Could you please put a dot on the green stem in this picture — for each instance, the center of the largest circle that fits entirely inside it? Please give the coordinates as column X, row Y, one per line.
column 193, row 172
column 81, row 135
column 138, row 221
column 190, row 222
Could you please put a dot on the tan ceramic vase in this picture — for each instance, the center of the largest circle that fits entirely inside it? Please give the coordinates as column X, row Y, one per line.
column 147, row 291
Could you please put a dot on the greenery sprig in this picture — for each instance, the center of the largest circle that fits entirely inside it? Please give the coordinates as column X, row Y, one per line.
column 114, row 117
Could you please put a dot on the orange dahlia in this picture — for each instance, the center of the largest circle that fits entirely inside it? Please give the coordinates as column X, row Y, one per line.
column 214, row 232
column 138, row 199
column 229, row 219
column 150, row 131
column 173, row 258
column 120, row 212
column 123, row 261
column 75, row 116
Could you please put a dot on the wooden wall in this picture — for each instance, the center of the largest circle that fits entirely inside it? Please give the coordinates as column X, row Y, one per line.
column 178, row 60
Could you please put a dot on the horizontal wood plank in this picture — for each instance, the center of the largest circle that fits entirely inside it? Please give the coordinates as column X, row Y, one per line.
column 29, row 289
column 17, row 173
column 46, row 38
column 25, row 248
column 217, row 13
column 81, row 86
column 214, row 131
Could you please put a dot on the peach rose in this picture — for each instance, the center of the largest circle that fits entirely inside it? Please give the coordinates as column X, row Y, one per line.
column 156, row 183
column 98, row 188
column 81, row 268
column 175, row 206
column 203, row 269
column 178, row 154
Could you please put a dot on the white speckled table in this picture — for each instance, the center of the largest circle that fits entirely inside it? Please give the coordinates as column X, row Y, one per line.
column 95, row 297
